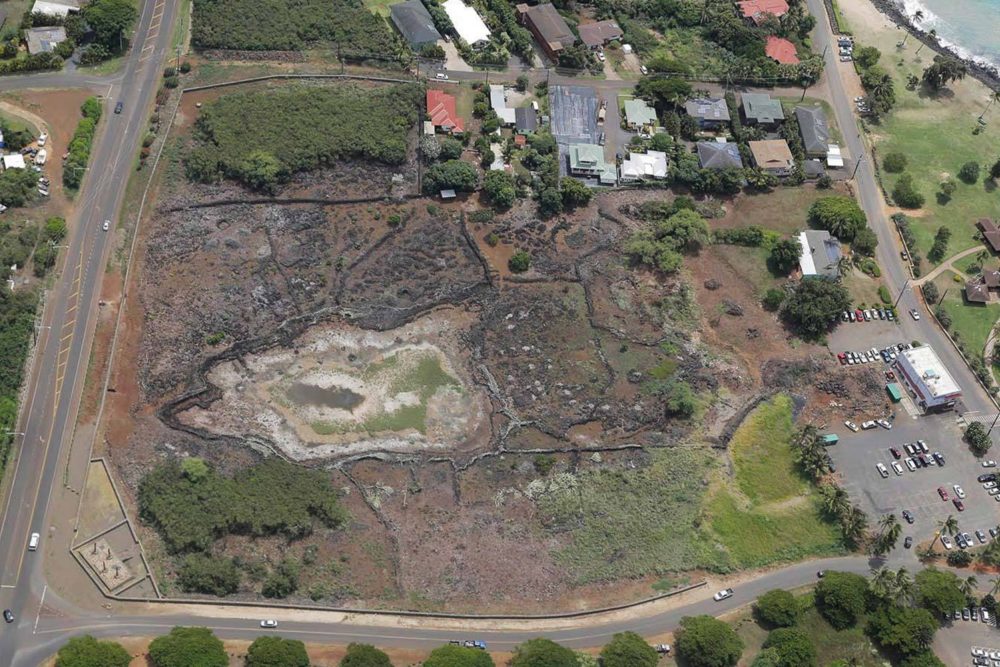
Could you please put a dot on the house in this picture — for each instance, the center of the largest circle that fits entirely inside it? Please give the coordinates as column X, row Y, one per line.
column 813, row 168
column 990, row 233
column 638, row 114
column 549, row 28
column 992, row 279
column 976, row 292
column 710, row 113
column 441, row 111
column 644, row 166
column 44, row 40
column 814, row 130
column 762, row 109
column 13, row 161
column 498, row 102
column 588, row 160
column 820, row 254
column 414, row 23
column 719, row 155
column 467, row 23
column 525, row 120
column 772, row 156
column 55, row 7
column 595, row 35
column 781, row 50
column 756, row 11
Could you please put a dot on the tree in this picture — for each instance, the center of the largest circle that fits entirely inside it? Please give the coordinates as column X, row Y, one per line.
column 627, row 649
column 969, row 173
column 679, row 400
column 574, row 193
column 773, row 298
column 866, row 56
column 840, row 598
column 777, row 608
column 111, row 21
column 978, row 439
column 704, row 641
column 907, row 630
column 841, row 216
column 201, row 573
column 499, row 188
column 277, row 652
column 542, row 652
column 86, row 651
column 261, row 170
column 366, row 655
column 942, row 71
column 938, row 591
column 865, row 242
column 894, row 163
column 905, row 194
column 550, row 202
column 519, row 262
column 948, row 187
column 813, row 304
column 995, row 170
column 188, row 647
column 793, row 647
column 450, row 175
column 665, row 93
column 925, row 659
column 458, row 656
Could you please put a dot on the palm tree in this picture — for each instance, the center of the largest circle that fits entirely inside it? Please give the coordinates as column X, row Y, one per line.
column 918, row 16
column 995, row 585
column 883, row 583
column 949, row 527
column 891, row 534
column 995, row 97
column 904, row 586
column 854, row 523
column 967, row 586
column 932, row 34
column 835, row 499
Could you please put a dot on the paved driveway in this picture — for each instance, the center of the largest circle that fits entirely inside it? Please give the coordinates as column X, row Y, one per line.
column 573, row 111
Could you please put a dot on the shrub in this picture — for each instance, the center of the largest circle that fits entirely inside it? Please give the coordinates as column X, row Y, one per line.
column 784, row 255
column 450, row 175
column 937, row 591
column 969, row 173
column 841, row 216
column 184, row 647
column 627, row 649
column 499, row 188
column 574, row 193
column 86, row 651
column 824, row 182
column 894, row 163
column 930, row 292
column 773, row 298
column 456, row 656
column 905, row 194
column 704, row 641
column 185, row 67
column 277, row 652
column 79, row 147
column 542, row 653
column 777, row 609
column 208, row 574
column 519, row 262
column 169, row 72
column 883, row 294
column 841, row 597
column 793, row 647
column 978, row 438
column 366, row 655
column 940, row 247
column 959, row 558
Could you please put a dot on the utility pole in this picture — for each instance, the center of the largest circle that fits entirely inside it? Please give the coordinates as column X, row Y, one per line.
column 902, row 289
column 856, row 165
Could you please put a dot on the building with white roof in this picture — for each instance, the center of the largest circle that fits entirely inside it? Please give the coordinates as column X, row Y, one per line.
column 834, row 158
column 55, row 7
column 498, row 102
column 933, row 387
column 644, row 166
column 13, row 161
column 467, row 22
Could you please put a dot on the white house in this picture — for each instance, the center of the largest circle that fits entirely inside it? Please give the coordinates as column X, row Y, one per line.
column 55, row 7
column 643, row 166
column 498, row 102
column 467, row 22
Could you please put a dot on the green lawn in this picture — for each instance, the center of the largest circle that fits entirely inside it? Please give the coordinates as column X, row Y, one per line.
column 17, row 123
column 971, row 324
column 973, row 264
column 769, row 513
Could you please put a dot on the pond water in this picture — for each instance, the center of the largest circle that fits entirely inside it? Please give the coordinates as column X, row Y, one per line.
column 340, row 398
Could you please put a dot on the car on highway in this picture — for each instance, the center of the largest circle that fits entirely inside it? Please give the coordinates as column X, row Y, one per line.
column 269, row 623
column 989, row 464
column 959, row 491
column 908, row 542
column 119, row 107
column 943, row 492
column 106, row 226
column 882, row 470
column 959, row 505
column 474, row 643
column 441, row 76
column 896, row 468
column 908, row 516
column 723, row 594
column 851, row 425
column 8, row 615
column 914, row 314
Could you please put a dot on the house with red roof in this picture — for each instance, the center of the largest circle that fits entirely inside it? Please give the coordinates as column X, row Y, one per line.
column 781, row 50
column 441, row 112
column 757, row 10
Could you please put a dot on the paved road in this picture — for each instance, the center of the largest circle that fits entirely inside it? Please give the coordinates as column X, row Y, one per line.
column 62, row 351
column 68, row 320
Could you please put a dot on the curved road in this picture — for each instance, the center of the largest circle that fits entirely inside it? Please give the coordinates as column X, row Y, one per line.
column 57, row 377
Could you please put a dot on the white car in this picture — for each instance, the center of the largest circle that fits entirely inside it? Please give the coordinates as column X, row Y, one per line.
column 914, row 314
column 882, row 470
column 990, row 485
column 990, row 464
column 106, row 226
column 868, row 424
column 441, row 76
column 723, row 594
column 946, row 541
column 896, row 468
column 911, row 464
column 662, row 648
column 269, row 623
column 959, row 491
column 851, row 425
column 883, row 423
column 642, row 68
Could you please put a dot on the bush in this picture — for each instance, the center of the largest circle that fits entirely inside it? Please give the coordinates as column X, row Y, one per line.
column 208, row 574
column 86, row 651
column 704, row 641
column 959, row 558
column 777, row 609
column 793, row 647
column 79, row 147
column 451, row 175
column 277, row 652
column 969, row 173
column 169, row 72
column 784, row 255
column 978, row 438
column 185, row 67
column 938, row 591
column 456, row 656
column 499, row 188
column 824, row 182
column 283, row 581
column 940, row 247
column 894, row 163
column 841, row 216
column 930, row 292
column 185, row 647
column 865, row 241
column 627, row 649
column 519, row 262
column 905, row 194
column 171, row 82
column 905, row 630
column 542, row 653
column 574, row 194
column 883, row 295
column 841, row 597
column 773, row 298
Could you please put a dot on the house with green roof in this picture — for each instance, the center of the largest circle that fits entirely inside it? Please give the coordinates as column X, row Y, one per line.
column 588, row 160
column 638, row 114
column 762, row 109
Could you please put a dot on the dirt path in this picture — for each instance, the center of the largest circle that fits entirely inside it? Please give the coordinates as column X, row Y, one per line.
column 37, row 121
column 947, row 265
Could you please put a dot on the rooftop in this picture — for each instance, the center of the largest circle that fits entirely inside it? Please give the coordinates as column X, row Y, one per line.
column 498, row 102
column 44, row 40
column 820, row 254
column 977, row 292
column 781, row 50
column 651, row 164
column 814, row 129
column 55, row 7
column 719, row 155
column 771, row 153
column 550, row 26
column 932, row 372
column 762, row 108
column 13, row 161
column 414, row 22
column 525, row 119
column 639, row 113
column 468, row 24
column 708, row 108
column 756, row 10
column 441, row 110
column 599, row 33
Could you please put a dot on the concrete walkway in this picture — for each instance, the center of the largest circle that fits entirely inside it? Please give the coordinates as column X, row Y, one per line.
column 947, row 265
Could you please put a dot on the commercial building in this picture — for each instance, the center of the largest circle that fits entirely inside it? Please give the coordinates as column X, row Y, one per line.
column 820, row 254
column 549, row 28
column 772, row 156
column 762, row 109
column 927, row 379
column 651, row 165
column 414, row 23
column 468, row 24
column 13, row 161
column 595, row 35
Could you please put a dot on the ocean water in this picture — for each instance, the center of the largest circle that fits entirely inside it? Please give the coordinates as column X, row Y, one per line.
column 970, row 27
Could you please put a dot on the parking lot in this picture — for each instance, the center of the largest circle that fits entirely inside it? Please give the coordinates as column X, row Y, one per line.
column 954, row 642
column 573, row 111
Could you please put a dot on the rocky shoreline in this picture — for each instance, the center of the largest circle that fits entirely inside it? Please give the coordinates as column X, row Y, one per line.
column 987, row 74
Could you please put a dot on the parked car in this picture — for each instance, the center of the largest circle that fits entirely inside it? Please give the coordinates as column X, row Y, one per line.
column 895, row 453
column 723, row 594
column 868, row 425
column 908, row 542
column 943, row 492
column 851, row 425
column 663, row 648
column 914, row 314
column 910, row 464
column 959, row 505
column 990, row 485
column 923, row 447
column 896, row 468
column 989, row 464
column 8, row 615
column 939, row 458
column 981, row 536
column 986, row 477
column 842, row 358
column 882, row 470
column 441, row 76
column 908, row 516
column 106, row 226
column 959, row 491
column 884, row 423
column 946, row 541
column 119, row 107
column 474, row 643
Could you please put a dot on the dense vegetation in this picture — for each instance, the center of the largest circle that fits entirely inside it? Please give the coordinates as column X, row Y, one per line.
column 704, row 641
column 191, row 505
column 86, row 651
column 79, row 146
column 261, row 138
column 188, row 647
column 17, row 321
column 813, row 305
column 277, row 652
column 292, row 25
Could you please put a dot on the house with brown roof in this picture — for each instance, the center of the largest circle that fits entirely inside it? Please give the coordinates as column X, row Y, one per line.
column 441, row 112
column 990, row 233
column 548, row 27
column 772, row 156
column 781, row 50
column 992, row 279
column 756, row 11
column 976, row 292
column 595, row 35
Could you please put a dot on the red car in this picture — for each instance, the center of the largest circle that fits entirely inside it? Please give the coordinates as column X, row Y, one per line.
column 895, row 453
column 860, row 314
column 959, row 505
column 943, row 492
column 843, row 358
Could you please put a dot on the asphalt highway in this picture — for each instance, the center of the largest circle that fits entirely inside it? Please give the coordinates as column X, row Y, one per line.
column 63, row 348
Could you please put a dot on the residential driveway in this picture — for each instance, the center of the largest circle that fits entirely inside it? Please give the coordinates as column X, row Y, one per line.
column 452, row 61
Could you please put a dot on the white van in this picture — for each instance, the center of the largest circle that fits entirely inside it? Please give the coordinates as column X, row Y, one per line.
column 33, row 542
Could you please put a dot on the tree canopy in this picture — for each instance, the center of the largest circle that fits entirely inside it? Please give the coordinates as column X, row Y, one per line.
column 978, row 439
column 841, row 216
column 458, row 656
column 777, row 608
column 840, row 598
column 188, row 647
column 451, row 175
column 542, row 652
column 277, row 652
column 906, row 630
column 111, row 21
column 86, row 651
column 704, row 641
column 813, row 304
column 499, row 188
column 785, row 255
column 793, row 647
column 938, row 591
column 627, row 649
column 942, row 71
column 366, row 655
